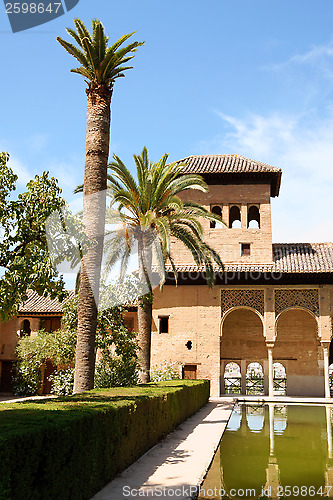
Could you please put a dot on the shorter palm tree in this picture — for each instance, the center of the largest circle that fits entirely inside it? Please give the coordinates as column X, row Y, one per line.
column 149, row 213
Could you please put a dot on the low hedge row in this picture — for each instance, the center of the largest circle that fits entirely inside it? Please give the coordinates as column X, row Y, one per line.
column 69, row 448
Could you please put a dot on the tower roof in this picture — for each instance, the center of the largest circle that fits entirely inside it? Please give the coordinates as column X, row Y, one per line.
column 232, row 168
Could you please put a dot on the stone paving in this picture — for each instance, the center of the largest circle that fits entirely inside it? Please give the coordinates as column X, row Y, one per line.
column 179, row 462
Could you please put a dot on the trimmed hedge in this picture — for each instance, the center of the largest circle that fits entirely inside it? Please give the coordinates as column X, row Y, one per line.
column 70, row 448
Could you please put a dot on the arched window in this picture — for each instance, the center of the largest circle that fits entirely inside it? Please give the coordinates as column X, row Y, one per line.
column 232, row 379
column 279, row 379
column 234, row 217
column 216, row 209
column 25, row 328
column 254, row 379
column 253, row 217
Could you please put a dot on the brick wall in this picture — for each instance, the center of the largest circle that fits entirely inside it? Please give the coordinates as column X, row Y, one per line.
column 228, row 241
column 194, row 315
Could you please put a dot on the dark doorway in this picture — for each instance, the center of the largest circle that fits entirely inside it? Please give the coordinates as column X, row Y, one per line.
column 6, row 377
column 190, row 372
column 49, row 369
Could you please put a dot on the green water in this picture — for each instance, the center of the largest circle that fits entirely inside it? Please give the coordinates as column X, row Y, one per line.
column 273, row 452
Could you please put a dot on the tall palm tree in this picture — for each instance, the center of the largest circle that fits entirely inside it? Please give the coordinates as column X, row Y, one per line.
column 150, row 212
column 100, row 66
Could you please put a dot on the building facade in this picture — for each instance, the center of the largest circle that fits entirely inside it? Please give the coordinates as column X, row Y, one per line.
column 271, row 304
column 36, row 313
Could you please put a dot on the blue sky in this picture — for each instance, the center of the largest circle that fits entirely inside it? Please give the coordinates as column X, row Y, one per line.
column 253, row 78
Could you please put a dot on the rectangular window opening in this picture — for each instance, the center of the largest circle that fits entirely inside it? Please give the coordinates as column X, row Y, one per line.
column 164, row 324
column 246, row 249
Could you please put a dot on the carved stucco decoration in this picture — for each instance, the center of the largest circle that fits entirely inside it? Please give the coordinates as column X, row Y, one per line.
column 245, row 298
column 308, row 298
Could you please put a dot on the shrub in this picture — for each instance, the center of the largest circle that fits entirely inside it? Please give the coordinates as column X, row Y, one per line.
column 70, row 448
column 27, row 380
column 62, row 382
column 32, row 354
column 118, row 366
column 114, row 371
column 167, row 371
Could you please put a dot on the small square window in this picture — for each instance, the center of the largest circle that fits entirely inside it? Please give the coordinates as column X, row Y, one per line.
column 246, row 249
column 164, row 324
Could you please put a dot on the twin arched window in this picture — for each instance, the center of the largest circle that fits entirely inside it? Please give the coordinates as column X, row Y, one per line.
column 218, row 211
column 253, row 216
column 234, row 217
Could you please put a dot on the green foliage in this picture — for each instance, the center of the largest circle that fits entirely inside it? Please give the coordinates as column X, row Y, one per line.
column 116, row 371
column 27, row 380
column 100, row 64
column 62, row 382
column 70, row 448
column 118, row 364
column 167, row 371
column 23, row 248
column 33, row 352
column 151, row 205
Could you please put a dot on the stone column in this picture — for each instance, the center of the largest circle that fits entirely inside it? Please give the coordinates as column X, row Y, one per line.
column 243, row 373
column 243, row 211
column 271, row 428
column 270, row 369
column 325, row 346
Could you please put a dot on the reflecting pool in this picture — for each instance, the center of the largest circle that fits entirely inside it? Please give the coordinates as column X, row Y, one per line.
column 273, row 451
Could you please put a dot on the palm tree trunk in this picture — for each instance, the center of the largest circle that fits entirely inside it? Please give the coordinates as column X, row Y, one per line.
column 145, row 309
column 94, row 196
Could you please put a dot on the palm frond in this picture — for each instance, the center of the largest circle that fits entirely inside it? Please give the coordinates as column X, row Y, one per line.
column 74, row 51
column 153, row 205
column 99, row 64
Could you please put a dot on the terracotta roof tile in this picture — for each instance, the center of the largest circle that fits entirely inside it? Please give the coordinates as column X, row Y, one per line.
column 287, row 258
column 303, row 257
column 39, row 304
column 229, row 163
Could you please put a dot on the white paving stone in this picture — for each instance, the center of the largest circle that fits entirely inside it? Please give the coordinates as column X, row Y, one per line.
column 177, row 463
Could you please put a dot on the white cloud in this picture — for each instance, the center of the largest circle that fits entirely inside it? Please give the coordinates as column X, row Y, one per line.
column 318, row 56
column 303, row 147
column 37, row 142
column 20, row 170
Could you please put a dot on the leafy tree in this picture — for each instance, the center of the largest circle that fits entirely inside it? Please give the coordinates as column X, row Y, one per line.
column 24, row 256
column 117, row 346
column 33, row 352
column 151, row 213
column 100, row 66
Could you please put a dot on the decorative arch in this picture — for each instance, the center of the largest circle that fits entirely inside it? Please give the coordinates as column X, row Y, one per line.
column 253, row 217
column 299, row 308
column 242, row 335
column 297, row 341
column 234, row 216
column 235, row 308
column 215, row 209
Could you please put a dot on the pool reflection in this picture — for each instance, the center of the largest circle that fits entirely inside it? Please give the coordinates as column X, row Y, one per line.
column 267, row 448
